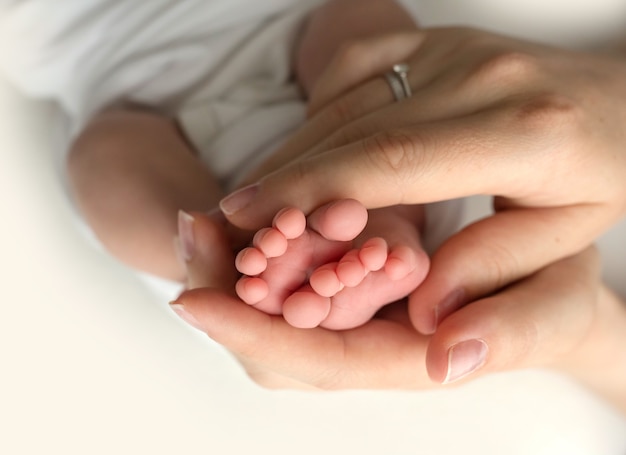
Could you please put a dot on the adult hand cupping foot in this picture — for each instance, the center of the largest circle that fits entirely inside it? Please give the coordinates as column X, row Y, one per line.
column 540, row 129
column 566, row 320
column 274, row 353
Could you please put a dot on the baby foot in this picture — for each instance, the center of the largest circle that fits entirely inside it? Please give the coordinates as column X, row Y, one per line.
column 338, row 271
column 284, row 256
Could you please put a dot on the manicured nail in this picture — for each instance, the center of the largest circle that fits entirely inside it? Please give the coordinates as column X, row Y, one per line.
column 464, row 358
column 239, row 199
column 186, row 241
column 447, row 306
column 185, row 315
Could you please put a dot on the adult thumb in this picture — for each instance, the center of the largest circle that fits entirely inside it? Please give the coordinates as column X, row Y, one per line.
column 532, row 323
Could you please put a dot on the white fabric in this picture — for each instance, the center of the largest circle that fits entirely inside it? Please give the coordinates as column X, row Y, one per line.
column 87, row 53
column 250, row 102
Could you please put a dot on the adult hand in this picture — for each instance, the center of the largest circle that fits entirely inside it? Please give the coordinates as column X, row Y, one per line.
column 539, row 128
column 561, row 324
column 274, row 353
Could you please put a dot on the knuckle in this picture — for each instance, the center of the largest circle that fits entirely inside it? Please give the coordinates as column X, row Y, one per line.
column 346, row 135
column 342, row 111
column 461, row 34
column 502, row 266
column 499, row 264
column 550, row 114
column 528, row 337
column 470, row 39
column 304, row 176
column 396, row 154
column 351, row 52
column 503, row 68
column 299, row 173
column 332, row 380
column 463, row 31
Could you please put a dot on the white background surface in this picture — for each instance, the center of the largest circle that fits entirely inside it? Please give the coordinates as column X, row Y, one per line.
column 94, row 364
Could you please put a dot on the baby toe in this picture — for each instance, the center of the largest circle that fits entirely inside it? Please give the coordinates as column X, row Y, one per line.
column 402, row 260
column 250, row 261
column 373, row 254
column 251, row 290
column 291, row 222
column 324, row 280
column 350, row 271
column 341, row 220
column 305, row 309
column 271, row 242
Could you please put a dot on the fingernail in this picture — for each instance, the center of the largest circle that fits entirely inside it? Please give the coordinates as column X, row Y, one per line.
column 186, row 241
column 239, row 199
column 447, row 306
column 185, row 315
column 464, row 358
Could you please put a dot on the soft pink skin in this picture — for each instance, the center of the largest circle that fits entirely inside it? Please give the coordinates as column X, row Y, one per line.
column 340, row 259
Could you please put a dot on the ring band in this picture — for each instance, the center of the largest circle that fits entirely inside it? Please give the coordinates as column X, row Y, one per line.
column 398, row 81
column 395, row 85
column 402, row 71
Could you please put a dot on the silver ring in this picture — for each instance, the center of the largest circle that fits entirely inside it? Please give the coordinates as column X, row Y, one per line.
column 398, row 81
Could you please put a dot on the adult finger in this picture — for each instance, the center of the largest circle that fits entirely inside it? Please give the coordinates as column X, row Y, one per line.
column 353, row 86
column 451, row 95
column 210, row 269
column 426, row 53
column 370, row 97
column 495, row 251
column 207, row 252
column 354, row 82
column 359, row 61
column 370, row 109
column 426, row 162
column 380, row 354
column 533, row 323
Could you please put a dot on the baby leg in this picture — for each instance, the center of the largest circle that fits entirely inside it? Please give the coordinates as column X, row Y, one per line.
column 131, row 171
